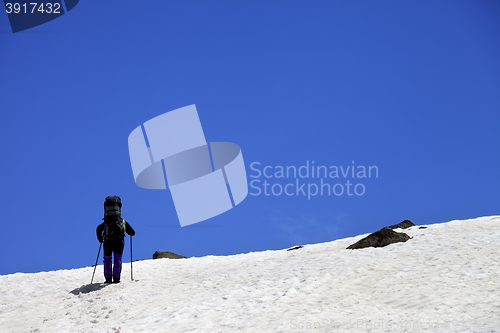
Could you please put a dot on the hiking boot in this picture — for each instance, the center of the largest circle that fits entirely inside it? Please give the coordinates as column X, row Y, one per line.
column 108, row 280
column 116, row 280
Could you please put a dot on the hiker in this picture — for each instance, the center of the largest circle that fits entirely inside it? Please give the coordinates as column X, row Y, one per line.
column 112, row 233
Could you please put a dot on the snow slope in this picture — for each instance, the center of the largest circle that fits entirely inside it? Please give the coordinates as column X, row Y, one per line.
column 445, row 279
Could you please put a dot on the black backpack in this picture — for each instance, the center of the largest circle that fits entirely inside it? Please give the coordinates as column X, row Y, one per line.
column 114, row 225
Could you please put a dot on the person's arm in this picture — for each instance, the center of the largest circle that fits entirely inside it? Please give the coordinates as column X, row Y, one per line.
column 99, row 230
column 129, row 229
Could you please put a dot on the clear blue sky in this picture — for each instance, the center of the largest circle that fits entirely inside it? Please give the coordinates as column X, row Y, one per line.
column 412, row 87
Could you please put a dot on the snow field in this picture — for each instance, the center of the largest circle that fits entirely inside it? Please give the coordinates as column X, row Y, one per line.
column 444, row 279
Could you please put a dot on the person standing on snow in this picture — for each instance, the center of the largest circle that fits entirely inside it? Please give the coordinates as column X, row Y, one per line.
column 112, row 233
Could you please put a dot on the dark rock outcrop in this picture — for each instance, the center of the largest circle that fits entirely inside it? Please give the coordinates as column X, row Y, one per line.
column 403, row 225
column 169, row 255
column 383, row 237
column 295, row 248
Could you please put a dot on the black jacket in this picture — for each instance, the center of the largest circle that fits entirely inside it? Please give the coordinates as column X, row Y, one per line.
column 100, row 229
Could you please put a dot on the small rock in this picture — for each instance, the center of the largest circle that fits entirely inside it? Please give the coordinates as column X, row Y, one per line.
column 169, row 255
column 403, row 225
column 295, row 248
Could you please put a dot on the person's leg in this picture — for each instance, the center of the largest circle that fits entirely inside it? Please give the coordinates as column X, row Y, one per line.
column 108, row 251
column 117, row 269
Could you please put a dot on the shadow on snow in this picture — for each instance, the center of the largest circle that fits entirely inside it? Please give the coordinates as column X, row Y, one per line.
column 88, row 288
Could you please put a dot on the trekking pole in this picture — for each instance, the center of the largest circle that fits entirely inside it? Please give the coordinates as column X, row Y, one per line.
column 131, row 276
column 95, row 266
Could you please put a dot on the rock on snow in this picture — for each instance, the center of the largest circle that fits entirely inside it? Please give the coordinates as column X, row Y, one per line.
column 446, row 278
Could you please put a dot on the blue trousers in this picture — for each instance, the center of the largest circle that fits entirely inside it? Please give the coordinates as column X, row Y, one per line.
column 111, row 246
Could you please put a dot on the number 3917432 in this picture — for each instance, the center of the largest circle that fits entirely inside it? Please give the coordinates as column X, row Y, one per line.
column 33, row 7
